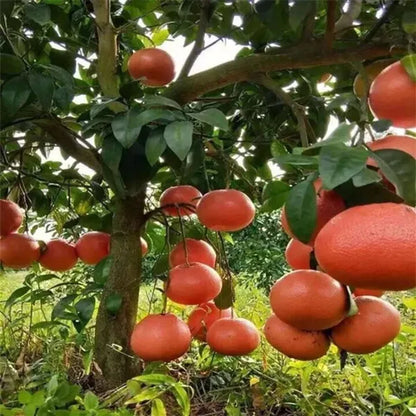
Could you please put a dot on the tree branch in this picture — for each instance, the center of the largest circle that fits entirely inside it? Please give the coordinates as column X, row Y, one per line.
column 331, row 7
column 199, row 40
column 107, row 49
column 346, row 20
column 63, row 137
column 287, row 99
column 187, row 89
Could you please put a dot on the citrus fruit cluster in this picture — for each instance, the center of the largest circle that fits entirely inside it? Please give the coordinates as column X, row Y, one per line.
column 19, row 251
column 193, row 280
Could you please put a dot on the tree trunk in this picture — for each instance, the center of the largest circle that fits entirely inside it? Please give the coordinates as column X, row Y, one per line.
column 124, row 279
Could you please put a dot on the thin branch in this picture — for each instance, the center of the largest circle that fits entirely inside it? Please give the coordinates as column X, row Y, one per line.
column 287, row 99
column 206, row 11
column 380, row 22
column 331, row 7
column 187, row 89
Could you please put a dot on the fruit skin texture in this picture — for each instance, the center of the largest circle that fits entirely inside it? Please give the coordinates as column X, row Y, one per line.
column 193, row 284
column 18, row 251
column 160, row 338
column 182, row 194
column 329, row 204
column 406, row 144
column 198, row 251
column 374, row 326
column 11, row 217
column 144, row 246
column 368, row 292
column 298, row 254
column 58, row 256
column 203, row 316
column 370, row 246
column 93, row 246
column 226, row 210
column 230, row 336
column 392, row 96
column 295, row 343
column 154, row 65
column 372, row 70
column 309, row 299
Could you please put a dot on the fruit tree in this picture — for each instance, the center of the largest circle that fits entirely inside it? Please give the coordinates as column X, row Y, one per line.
column 115, row 149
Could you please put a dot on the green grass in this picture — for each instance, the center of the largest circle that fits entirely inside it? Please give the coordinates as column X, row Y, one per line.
column 266, row 382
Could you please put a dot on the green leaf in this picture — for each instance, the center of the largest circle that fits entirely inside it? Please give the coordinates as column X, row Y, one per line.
column 160, row 101
column 43, row 87
column 365, row 177
column 155, row 379
column 113, row 303
column 298, row 13
column 18, row 293
column 158, row 408
column 155, row 146
column 161, row 265
column 212, row 116
column 85, row 309
column 126, row 127
column 182, row 398
column 91, row 401
column 14, row 94
column 301, row 210
column 178, row 136
column 341, row 134
column 11, row 64
column 159, row 36
column 52, row 385
column 274, row 195
column 296, row 160
column 97, row 108
column 338, row 163
column 102, row 271
column 148, row 116
column 408, row 22
column 277, row 148
column 400, row 169
column 111, row 153
column 61, row 309
column 146, row 394
column 63, row 96
column 225, row 299
column 39, row 13
column 24, row 397
column 409, row 64
column 61, row 75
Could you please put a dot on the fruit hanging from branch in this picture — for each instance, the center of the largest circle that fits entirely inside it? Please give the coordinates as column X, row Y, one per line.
column 93, row 246
column 180, row 200
column 11, row 217
column 298, row 255
column 198, row 251
column 18, row 251
column 58, row 256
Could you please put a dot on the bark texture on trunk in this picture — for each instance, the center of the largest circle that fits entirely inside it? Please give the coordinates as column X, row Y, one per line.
column 124, row 279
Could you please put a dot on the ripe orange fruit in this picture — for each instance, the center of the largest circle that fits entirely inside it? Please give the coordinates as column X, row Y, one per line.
column 144, row 246
column 11, row 217
column 230, row 336
column 368, row 292
column 93, row 246
column 325, row 78
column 329, row 204
column 193, row 284
column 392, row 96
column 182, row 194
column 372, row 70
column 370, row 246
column 406, row 144
column 374, row 326
column 225, row 210
column 309, row 299
column 295, row 343
column 18, row 251
column 198, row 251
column 160, row 338
column 203, row 316
column 298, row 255
column 58, row 256
column 154, row 67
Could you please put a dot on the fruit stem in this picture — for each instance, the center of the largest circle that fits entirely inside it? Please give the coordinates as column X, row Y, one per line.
column 183, row 237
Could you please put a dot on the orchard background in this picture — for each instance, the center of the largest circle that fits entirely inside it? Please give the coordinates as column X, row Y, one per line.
column 85, row 147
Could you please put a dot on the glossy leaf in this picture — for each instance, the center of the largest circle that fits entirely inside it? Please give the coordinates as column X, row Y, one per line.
column 301, row 210
column 212, row 116
column 85, row 309
column 126, row 127
column 11, row 64
column 159, row 100
column 102, row 271
column 178, row 136
column 339, row 163
column 274, row 195
column 365, row 177
column 14, row 94
column 43, row 87
column 158, row 408
column 409, row 63
column 39, row 13
column 155, row 146
column 113, row 303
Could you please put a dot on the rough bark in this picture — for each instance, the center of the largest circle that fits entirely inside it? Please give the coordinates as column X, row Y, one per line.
column 124, row 279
